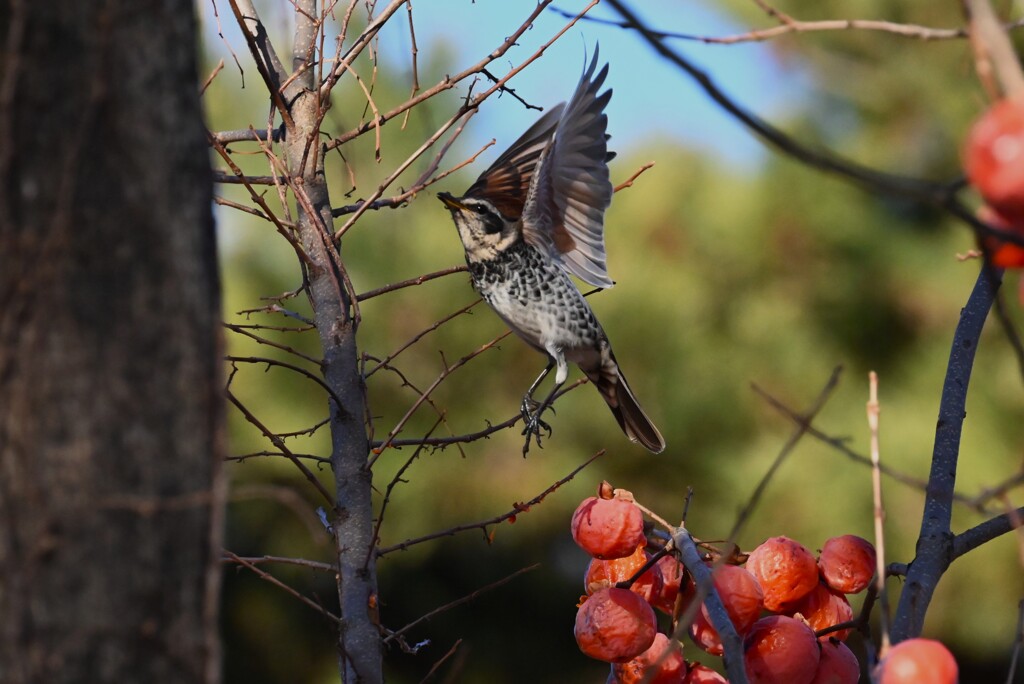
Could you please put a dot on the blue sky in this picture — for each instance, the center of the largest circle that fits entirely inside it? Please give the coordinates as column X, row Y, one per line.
column 651, row 99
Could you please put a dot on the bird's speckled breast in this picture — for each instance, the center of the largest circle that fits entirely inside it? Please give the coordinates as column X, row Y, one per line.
column 537, row 299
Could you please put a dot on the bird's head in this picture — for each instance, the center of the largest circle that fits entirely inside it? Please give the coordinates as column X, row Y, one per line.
column 485, row 232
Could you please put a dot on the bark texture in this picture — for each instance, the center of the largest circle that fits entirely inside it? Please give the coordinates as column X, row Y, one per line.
column 110, row 404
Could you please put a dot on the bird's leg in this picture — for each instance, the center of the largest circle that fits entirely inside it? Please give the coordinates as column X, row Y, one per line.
column 534, row 424
column 529, row 403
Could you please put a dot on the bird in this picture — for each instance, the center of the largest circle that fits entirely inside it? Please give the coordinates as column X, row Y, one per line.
column 532, row 219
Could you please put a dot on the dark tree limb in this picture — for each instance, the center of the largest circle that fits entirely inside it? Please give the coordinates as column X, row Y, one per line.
column 971, row 539
column 732, row 643
column 935, row 543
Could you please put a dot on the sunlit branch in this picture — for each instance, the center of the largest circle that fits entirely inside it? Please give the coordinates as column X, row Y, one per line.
column 418, row 280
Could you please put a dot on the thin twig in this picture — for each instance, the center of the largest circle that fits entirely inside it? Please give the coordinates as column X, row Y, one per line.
column 801, row 429
column 284, row 560
column 292, row 367
column 383, row 363
column 278, row 583
column 839, row 444
column 279, row 443
column 425, row 180
column 213, row 75
column 458, row 602
column 263, row 53
column 1018, row 638
column 450, row 82
column 790, row 25
column 443, row 659
column 993, row 49
column 241, row 458
column 628, row 183
column 447, row 371
column 418, row 280
column 473, row 436
column 394, row 482
column 242, row 330
column 879, row 512
column 517, row 509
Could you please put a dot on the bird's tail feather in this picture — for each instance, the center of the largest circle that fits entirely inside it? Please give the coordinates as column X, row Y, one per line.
column 626, row 409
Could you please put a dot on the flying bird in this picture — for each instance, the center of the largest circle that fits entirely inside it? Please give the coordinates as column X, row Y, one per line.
column 528, row 222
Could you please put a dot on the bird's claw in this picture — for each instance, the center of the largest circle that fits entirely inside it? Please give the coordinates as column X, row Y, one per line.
column 534, row 424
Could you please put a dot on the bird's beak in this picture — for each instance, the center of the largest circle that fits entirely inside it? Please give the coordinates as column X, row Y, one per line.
column 450, row 202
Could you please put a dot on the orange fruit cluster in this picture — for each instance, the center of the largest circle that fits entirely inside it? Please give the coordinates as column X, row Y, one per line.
column 778, row 602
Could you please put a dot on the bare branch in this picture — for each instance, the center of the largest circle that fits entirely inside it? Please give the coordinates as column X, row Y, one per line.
column 517, row 509
column 450, row 82
column 418, row 280
column 267, row 62
column 258, row 199
column 249, row 135
column 985, row 532
column 213, row 75
column 269, row 454
column 1018, row 641
column 243, row 330
column 789, row 25
column 424, row 181
column 458, row 602
column 301, row 562
column 283, row 364
column 840, row 445
column 278, row 583
column 448, row 370
column 248, row 210
column 279, row 443
column 443, row 659
column 234, row 179
column 802, row 427
column 394, row 482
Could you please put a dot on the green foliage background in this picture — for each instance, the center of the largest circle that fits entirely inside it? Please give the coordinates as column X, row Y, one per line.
column 725, row 278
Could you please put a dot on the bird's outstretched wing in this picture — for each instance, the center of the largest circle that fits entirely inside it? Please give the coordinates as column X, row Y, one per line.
column 569, row 187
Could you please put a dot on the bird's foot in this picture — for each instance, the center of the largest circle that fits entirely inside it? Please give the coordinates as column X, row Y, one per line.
column 527, row 408
column 534, row 425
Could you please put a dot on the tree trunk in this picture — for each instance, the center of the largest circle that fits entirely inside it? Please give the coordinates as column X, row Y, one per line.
column 111, row 425
column 359, row 638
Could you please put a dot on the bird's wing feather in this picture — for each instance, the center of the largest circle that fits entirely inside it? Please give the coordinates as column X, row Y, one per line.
column 569, row 188
column 507, row 181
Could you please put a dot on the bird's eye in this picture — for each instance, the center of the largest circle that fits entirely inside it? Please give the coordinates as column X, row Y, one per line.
column 480, row 209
